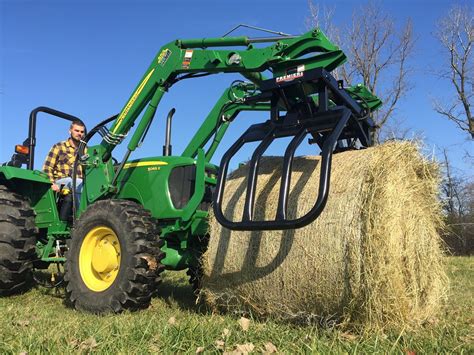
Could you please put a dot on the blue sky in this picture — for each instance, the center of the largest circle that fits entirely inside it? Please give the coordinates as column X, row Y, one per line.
column 86, row 57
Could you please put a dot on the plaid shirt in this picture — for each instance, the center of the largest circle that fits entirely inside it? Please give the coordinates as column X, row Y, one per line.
column 60, row 161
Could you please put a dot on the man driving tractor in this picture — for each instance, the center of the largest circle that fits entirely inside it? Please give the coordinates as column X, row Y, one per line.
column 59, row 163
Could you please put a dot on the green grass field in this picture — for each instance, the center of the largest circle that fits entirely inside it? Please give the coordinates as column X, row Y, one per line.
column 39, row 322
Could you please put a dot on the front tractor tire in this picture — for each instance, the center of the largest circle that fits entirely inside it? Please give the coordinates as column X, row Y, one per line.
column 113, row 263
column 17, row 242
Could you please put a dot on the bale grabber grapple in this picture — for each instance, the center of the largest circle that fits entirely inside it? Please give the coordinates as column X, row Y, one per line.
column 138, row 216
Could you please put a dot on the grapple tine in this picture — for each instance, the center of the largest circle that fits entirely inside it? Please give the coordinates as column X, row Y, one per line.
column 335, row 117
column 325, row 171
column 286, row 174
column 253, row 176
column 221, row 178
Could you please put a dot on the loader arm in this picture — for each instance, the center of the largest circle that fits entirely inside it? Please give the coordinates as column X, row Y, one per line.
column 197, row 56
column 287, row 58
column 182, row 59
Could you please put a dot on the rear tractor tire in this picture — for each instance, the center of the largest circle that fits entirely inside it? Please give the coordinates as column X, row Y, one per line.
column 114, row 258
column 17, row 242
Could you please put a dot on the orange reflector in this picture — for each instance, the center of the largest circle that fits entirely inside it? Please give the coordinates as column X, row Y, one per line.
column 22, row 149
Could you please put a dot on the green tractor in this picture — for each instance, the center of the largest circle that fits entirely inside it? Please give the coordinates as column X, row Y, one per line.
column 138, row 217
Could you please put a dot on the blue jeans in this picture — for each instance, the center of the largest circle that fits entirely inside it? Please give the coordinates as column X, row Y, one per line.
column 67, row 182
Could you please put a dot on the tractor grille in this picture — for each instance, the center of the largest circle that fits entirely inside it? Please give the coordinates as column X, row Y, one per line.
column 181, row 185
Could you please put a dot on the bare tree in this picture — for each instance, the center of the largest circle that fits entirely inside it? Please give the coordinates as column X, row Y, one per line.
column 377, row 54
column 452, row 191
column 456, row 34
column 323, row 18
column 457, row 194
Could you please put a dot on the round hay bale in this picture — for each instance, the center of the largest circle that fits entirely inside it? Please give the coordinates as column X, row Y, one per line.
column 372, row 258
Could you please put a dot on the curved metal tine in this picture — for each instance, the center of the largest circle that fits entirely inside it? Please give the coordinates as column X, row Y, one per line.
column 253, row 174
column 286, row 173
column 222, row 176
column 325, row 172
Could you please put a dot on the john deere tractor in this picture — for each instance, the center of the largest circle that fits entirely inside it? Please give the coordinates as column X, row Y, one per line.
column 140, row 216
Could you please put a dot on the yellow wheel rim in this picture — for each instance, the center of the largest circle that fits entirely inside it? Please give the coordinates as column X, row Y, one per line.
column 99, row 258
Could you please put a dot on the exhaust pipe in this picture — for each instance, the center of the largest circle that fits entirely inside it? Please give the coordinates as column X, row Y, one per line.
column 167, row 146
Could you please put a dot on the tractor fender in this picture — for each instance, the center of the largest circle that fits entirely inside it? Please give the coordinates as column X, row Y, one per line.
column 36, row 187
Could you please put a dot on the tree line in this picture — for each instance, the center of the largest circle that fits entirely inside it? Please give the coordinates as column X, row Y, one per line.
column 378, row 56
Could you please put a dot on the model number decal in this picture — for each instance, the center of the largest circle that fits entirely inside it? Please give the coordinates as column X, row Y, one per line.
column 163, row 57
column 145, row 163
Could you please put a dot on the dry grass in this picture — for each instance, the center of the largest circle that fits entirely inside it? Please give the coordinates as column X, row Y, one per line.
column 373, row 258
column 38, row 322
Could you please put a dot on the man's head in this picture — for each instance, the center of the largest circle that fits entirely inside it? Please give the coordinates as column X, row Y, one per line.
column 77, row 130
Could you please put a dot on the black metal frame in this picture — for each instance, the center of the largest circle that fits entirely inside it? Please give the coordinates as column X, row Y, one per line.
column 337, row 117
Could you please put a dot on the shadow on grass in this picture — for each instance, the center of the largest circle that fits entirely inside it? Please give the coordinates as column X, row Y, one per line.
column 48, row 287
column 174, row 292
column 177, row 293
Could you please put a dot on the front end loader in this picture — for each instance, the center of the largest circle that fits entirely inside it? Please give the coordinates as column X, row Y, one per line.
column 140, row 216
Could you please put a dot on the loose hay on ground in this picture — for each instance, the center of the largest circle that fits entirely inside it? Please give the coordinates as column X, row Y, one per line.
column 372, row 258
